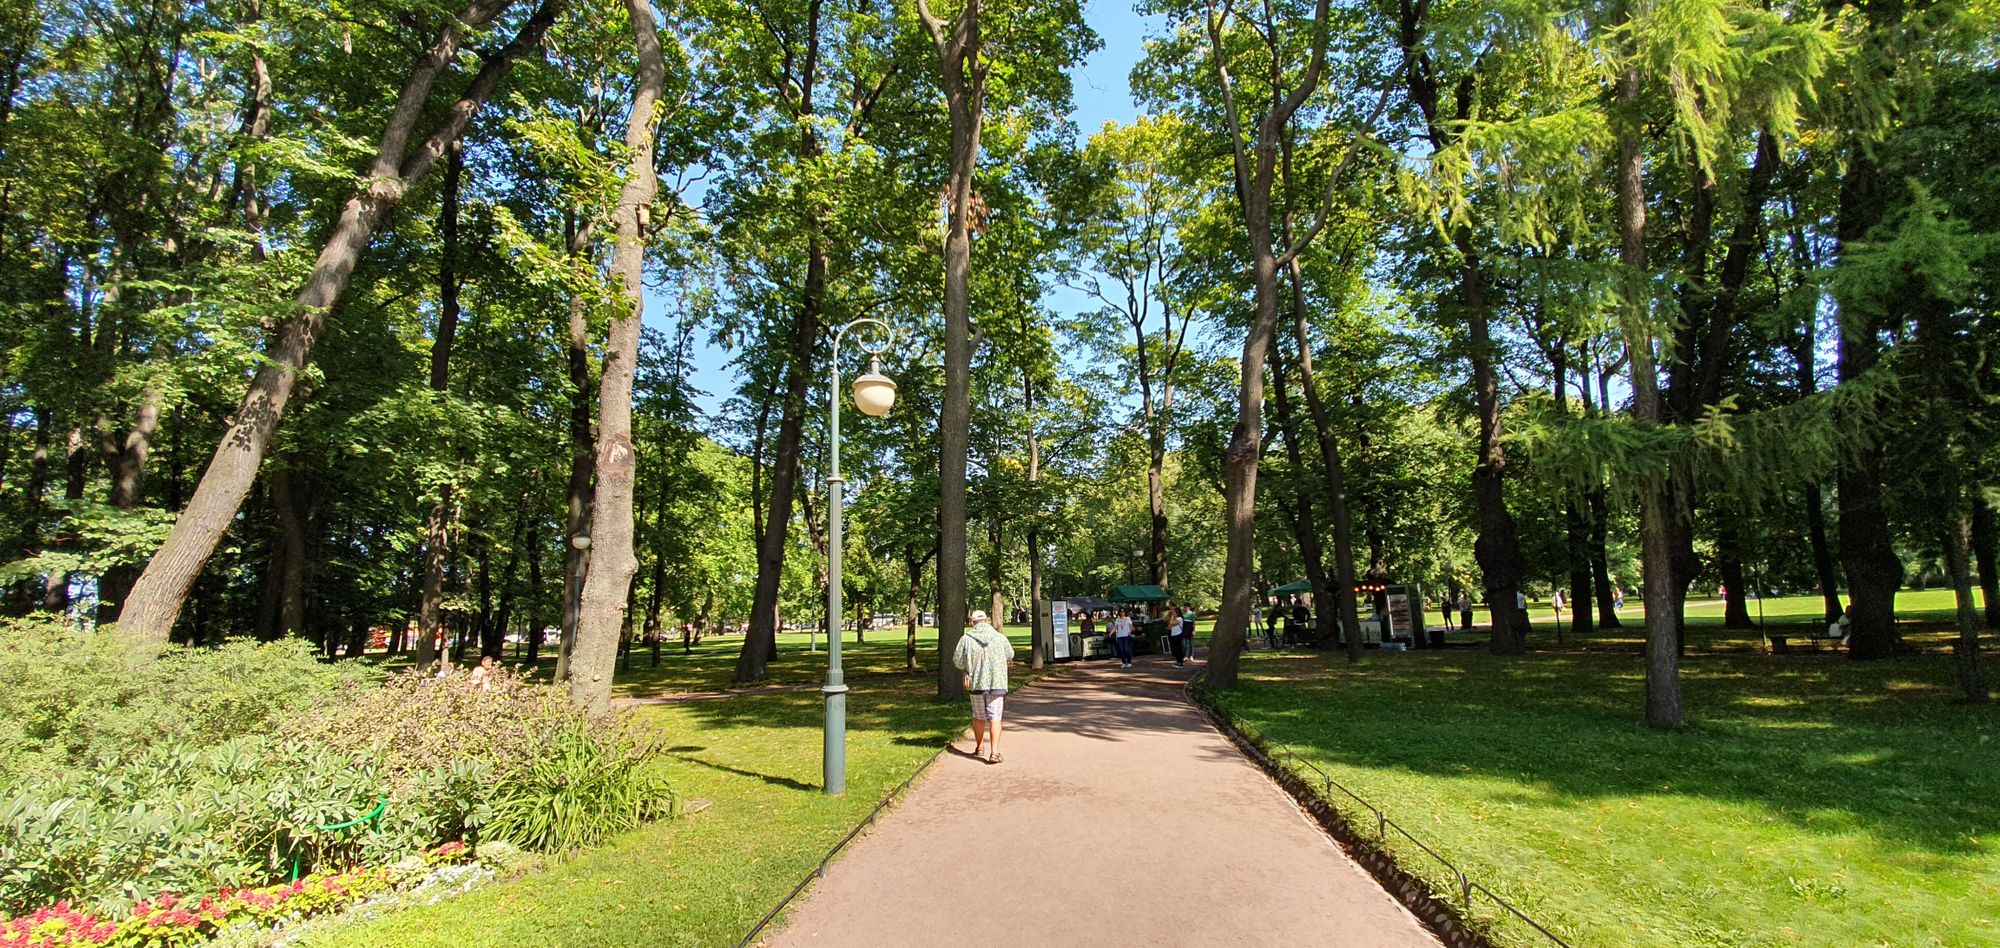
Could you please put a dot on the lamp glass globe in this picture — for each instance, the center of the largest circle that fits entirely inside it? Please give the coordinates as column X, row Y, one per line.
column 874, row 394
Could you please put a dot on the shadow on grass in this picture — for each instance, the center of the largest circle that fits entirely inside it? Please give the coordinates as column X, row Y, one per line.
column 1883, row 745
column 740, row 772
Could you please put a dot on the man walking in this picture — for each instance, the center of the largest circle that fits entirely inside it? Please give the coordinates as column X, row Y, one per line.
column 983, row 655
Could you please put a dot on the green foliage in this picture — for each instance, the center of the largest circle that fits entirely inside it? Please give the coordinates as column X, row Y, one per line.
column 77, row 701
column 578, row 790
column 230, row 766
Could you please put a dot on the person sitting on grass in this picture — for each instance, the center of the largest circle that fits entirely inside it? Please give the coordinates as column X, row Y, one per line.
column 983, row 655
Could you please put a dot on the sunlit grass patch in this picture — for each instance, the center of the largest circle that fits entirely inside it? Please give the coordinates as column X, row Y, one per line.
column 1813, row 801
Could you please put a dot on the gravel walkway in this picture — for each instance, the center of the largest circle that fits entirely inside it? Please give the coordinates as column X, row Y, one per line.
column 1120, row 817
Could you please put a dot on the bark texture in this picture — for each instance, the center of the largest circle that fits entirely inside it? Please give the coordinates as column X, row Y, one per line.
column 963, row 75
column 1656, row 536
column 607, row 590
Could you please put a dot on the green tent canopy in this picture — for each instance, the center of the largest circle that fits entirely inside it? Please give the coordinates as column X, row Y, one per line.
column 1295, row 586
column 1139, row 594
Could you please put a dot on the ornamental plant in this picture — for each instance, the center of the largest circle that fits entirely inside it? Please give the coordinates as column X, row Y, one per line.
column 171, row 921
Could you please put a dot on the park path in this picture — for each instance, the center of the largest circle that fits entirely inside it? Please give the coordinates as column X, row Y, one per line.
column 1120, row 817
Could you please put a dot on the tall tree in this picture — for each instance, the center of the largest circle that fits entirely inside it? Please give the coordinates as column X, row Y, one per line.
column 962, row 72
column 160, row 592
column 607, row 590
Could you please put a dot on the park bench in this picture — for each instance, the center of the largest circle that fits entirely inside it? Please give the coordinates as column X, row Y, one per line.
column 1781, row 642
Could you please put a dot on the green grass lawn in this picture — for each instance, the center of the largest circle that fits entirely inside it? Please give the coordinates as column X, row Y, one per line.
column 801, row 660
column 1814, row 801
column 1925, row 616
column 706, row 878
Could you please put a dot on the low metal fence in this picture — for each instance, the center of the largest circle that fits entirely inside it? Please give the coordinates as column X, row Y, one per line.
column 1296, row 764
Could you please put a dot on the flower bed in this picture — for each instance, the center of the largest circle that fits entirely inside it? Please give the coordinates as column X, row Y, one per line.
column 171, row 921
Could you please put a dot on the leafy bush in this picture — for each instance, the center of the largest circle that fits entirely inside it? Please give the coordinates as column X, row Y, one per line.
column 581, row 788
column 232, row 767
column 536, row 772
column 76, row 700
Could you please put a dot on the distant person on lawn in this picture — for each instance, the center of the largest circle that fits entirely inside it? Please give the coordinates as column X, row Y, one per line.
column 983, row 655
column 1465, row 609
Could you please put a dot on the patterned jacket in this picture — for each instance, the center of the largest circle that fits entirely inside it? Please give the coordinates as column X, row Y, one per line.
column 983, row 654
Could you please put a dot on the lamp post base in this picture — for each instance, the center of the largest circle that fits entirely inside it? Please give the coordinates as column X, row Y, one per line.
column 834, row 772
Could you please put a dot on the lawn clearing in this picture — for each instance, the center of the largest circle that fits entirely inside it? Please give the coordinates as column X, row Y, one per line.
column 1814, row 801
column 711, row 665
column 706, row 878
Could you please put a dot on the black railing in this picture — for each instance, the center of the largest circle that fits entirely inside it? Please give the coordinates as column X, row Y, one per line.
column 1297, row 765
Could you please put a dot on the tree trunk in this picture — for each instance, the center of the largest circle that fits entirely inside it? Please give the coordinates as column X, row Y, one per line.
column 1663, row 686
column 997, row 600
column 1498, row 546
column 1867, row 546
column 125, row 458
column 161, row 590
column 760, row 641
column 1334, row 471
column 580, row 492
column 1576, row 527
column 1255, row 165
column 286, row 503
column 1156, row 451
column 656, row 599
column 1598, row 524
column 1984, row 547
column 76, row 471
column 505, row 619
column 963, row 76
column 1735, row 597
column 437, row 535
column 606, row 591
column 1957, row 529
column 1328, row 603
column 534, row 616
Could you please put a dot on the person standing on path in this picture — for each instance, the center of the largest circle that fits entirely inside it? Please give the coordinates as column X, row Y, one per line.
column 983, row 655
column 1121, row 639
column 1465, row 609
column 1174, row 637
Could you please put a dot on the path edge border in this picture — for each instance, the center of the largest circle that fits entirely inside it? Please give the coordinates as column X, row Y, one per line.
column 819, row 871
column 1437, row 914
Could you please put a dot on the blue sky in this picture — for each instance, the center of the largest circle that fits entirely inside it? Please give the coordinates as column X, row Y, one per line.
column 1102, row 93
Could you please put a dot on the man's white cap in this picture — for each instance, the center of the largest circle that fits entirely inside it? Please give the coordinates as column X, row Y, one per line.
column 979, row 615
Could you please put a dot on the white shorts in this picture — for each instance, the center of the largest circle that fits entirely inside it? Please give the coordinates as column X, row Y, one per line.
column 987, row 707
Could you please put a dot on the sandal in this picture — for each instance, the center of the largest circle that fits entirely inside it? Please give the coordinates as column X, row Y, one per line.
column 996, row 758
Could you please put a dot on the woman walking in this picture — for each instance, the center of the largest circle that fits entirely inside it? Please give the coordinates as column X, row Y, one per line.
column 1121, row 639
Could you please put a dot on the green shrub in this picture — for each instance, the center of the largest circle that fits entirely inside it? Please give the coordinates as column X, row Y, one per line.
column 203, row 770
column 552, row 779
column 79, row 700
column 581, row 787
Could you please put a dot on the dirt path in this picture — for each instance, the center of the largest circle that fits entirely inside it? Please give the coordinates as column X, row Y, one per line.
column 1120, row 817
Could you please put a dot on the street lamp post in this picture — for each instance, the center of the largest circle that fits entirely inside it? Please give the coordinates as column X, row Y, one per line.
column 874, row 394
